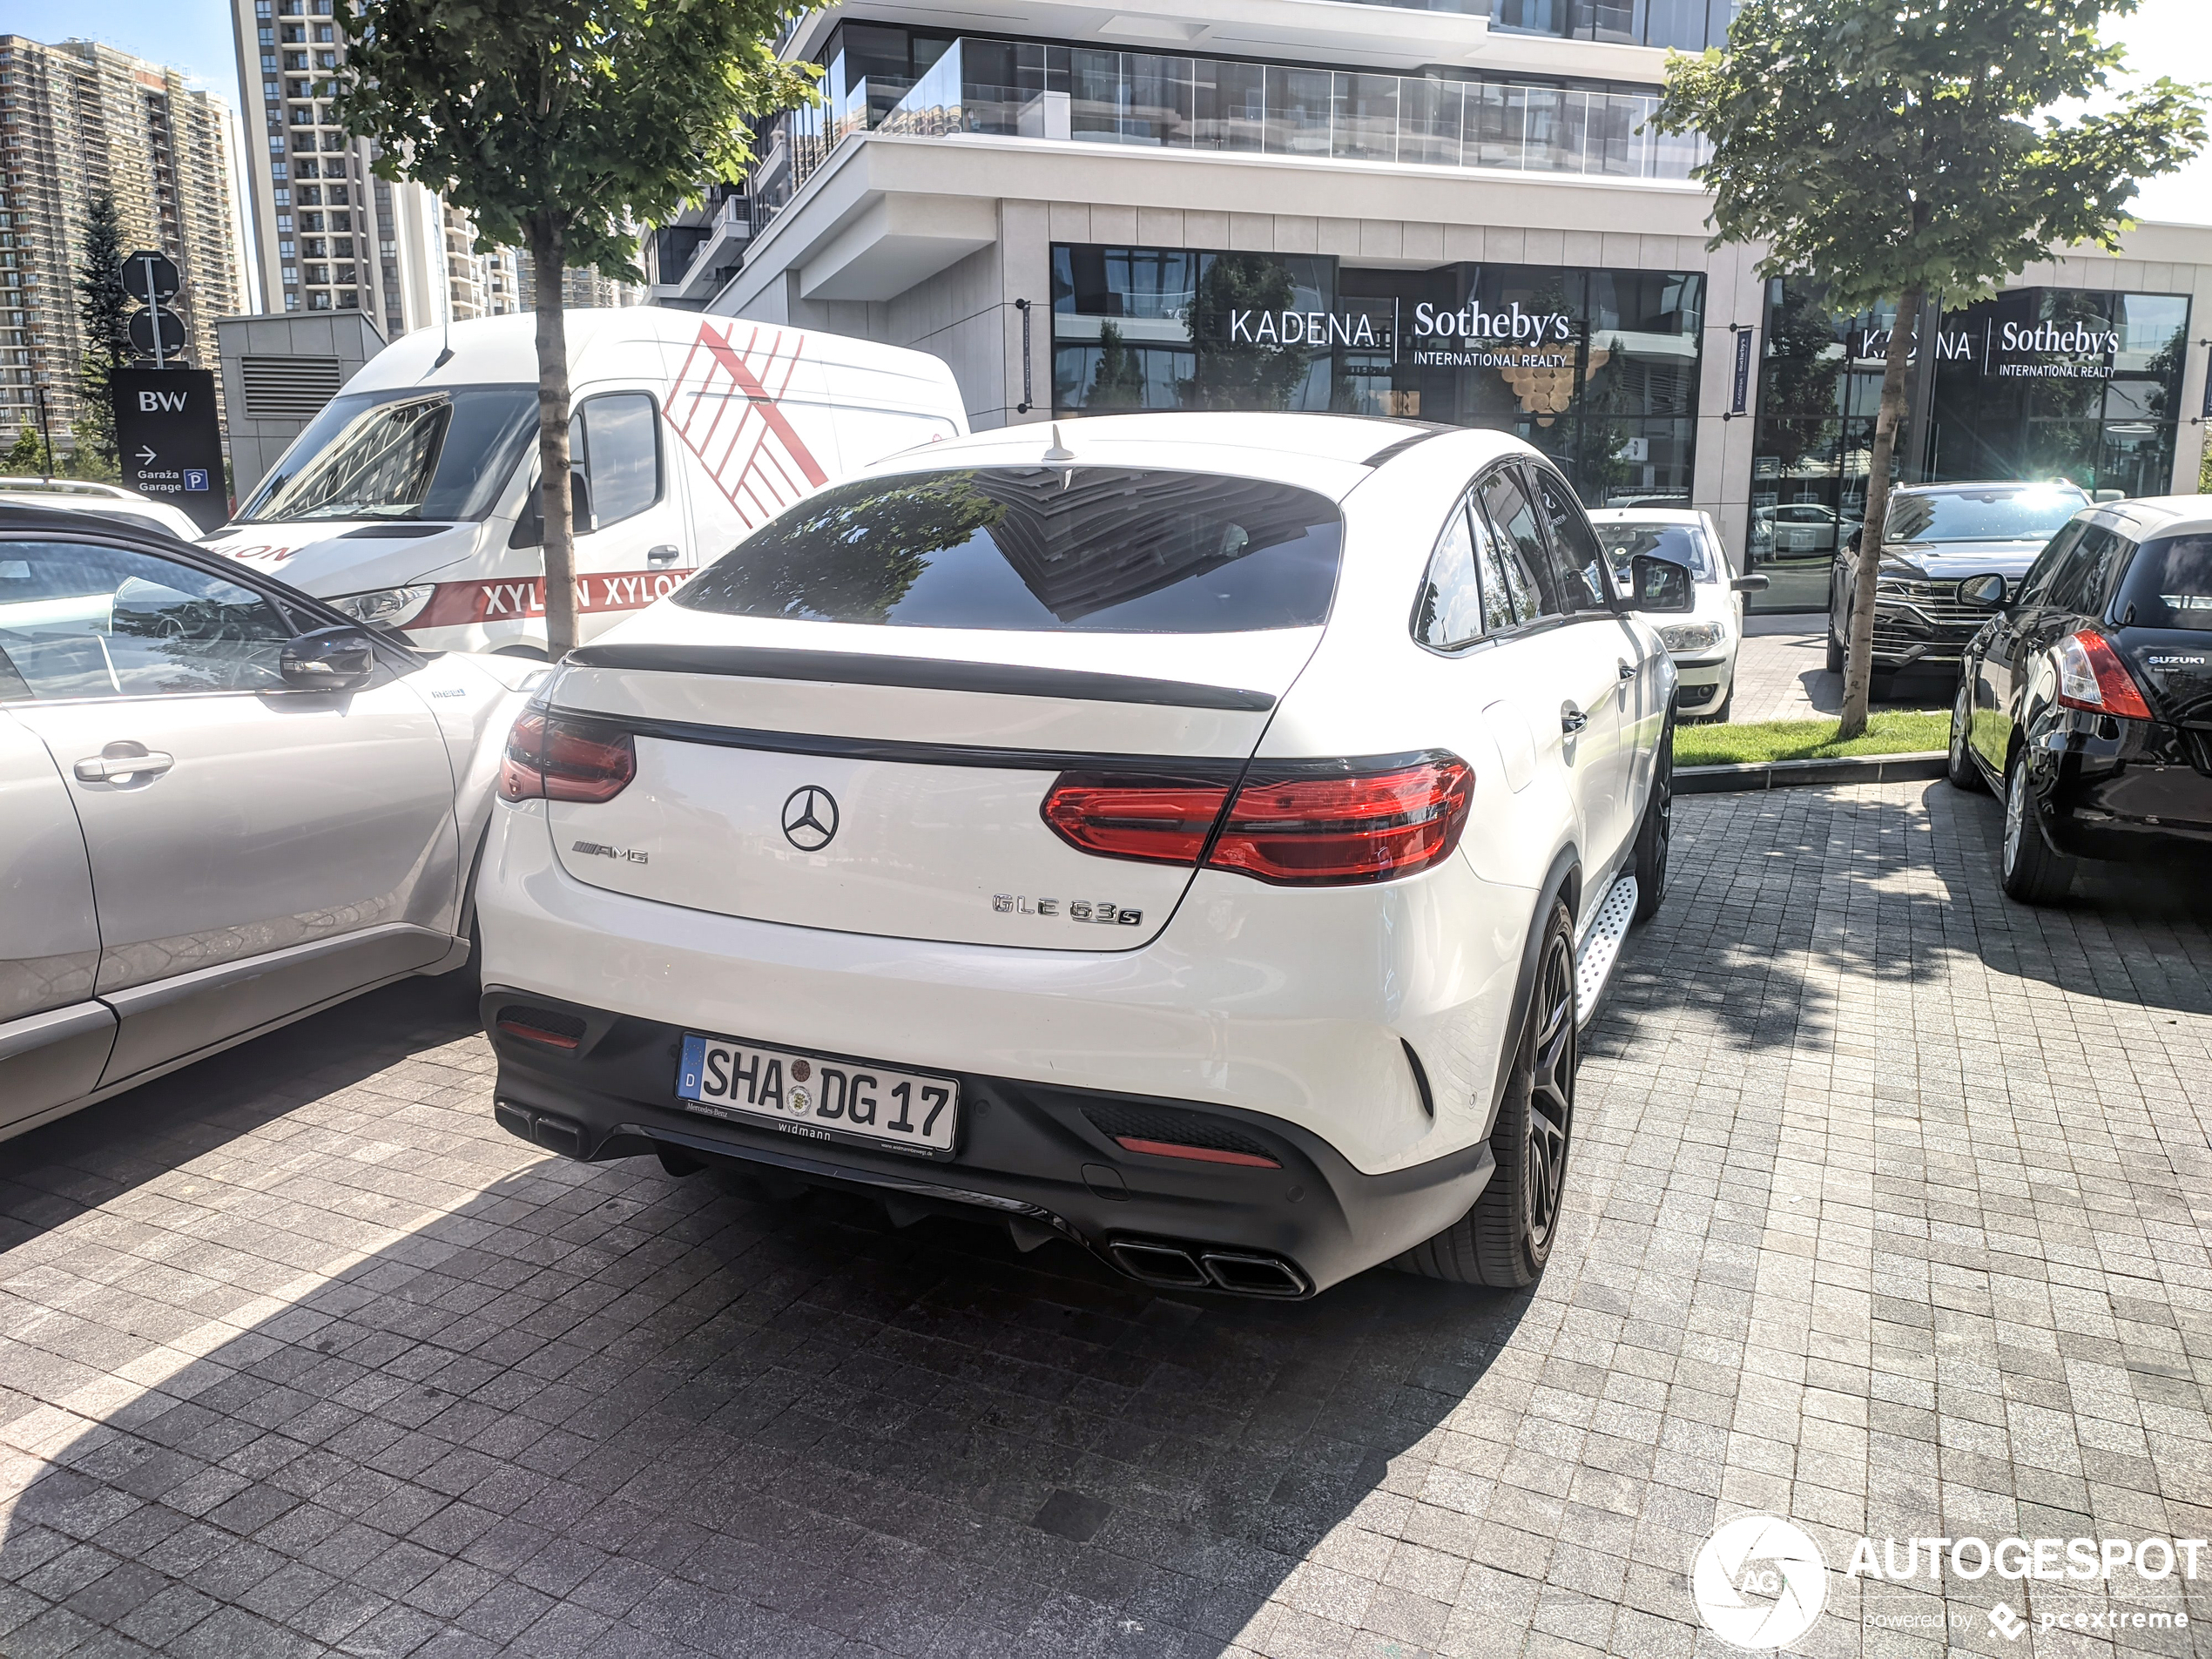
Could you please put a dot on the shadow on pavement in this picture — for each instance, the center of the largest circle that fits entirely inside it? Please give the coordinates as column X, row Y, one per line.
column 633, row 1416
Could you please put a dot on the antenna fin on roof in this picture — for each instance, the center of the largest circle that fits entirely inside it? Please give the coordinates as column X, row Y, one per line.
column 1059, row 451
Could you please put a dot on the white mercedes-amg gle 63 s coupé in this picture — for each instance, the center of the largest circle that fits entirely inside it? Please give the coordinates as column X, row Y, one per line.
column 1196, row 837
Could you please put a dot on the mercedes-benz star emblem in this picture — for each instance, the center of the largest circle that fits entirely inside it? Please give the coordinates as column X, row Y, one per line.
column 810, row 819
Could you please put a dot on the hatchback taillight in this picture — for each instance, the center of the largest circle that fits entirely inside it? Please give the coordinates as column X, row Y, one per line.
column 1311, row 826
column 556, row 757
column 2092, row 678
column 1304, row 824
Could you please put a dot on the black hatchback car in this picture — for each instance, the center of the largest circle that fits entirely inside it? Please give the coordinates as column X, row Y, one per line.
column 2085, row 699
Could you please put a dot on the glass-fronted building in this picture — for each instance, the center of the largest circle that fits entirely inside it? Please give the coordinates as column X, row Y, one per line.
column 1454, row 210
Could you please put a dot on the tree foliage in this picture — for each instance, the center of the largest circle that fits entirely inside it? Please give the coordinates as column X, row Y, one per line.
column 103, row 313
column 1898, row 150
column 560, row 125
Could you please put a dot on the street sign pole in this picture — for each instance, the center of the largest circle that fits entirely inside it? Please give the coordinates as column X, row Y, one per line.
column 145, row 265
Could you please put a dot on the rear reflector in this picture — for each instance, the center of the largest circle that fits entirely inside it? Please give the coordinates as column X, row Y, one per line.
column 2092, row 678
column 1322, row 826
column 1195, row 1154
column 1154, row 820
column 555, row 757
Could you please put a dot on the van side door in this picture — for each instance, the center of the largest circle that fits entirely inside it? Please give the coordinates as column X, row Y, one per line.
column 632, row 539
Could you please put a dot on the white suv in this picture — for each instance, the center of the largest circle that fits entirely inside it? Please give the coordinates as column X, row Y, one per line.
column 1196, row 837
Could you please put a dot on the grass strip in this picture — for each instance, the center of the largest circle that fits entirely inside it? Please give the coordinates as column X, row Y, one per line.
column 1888, row 733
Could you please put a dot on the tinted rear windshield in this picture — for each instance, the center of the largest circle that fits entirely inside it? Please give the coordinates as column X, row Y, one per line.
column 2169, row 585
column 1092, row 550
column 2026, row 513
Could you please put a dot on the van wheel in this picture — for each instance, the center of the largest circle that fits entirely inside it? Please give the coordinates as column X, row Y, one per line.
column 1505, row 1240
column 1654, row 836
column 2030, row 870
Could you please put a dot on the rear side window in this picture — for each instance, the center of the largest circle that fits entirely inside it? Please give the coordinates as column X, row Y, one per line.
column 2170, row 585
column 2086, row 576
column 1449, row 611
column 1523, row 555
column 1580, row 580
column 1094, row 549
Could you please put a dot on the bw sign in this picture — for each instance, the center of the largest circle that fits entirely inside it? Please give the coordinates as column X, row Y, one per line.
column 169, row 439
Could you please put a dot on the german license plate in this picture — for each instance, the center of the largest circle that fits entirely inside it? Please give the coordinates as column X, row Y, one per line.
column 805, row 1095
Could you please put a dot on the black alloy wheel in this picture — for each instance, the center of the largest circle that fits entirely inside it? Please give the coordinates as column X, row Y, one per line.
column 2029, row 870
column 1961, row 768
column 1507, row 1238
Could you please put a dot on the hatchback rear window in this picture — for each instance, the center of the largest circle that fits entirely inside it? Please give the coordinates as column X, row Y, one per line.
column 1093, row 549
column 2169, row 585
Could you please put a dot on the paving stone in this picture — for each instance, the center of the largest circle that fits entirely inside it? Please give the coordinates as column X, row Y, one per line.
column 1891, row 1209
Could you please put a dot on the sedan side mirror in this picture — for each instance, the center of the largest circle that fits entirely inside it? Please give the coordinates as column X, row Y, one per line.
column 329, row 659
column 1982, row 593
column 1749, row 584
column 1660, row 585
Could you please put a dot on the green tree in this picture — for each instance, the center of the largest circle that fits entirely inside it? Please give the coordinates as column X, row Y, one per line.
column 1895, row 150
column 27, row 455
column 102, row 311
column 558, row 126
column 1118, row 381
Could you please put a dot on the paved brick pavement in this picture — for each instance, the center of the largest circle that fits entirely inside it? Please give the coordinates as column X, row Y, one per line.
column 1782, row 674
column 299, row 1354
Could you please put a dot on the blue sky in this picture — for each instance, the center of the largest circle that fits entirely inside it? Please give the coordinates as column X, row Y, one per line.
column 2167, row 37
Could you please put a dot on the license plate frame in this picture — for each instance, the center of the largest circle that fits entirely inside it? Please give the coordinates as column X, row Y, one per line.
column 933, row 1128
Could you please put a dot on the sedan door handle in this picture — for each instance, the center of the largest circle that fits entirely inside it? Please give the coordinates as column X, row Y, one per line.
column 123, row 760
column 663, row 554
column 1572, row 719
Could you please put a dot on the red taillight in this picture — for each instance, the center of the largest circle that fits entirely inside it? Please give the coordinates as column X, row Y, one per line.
column 1158, row 820
column 1309, row 828
column 552, row 757
column 2092, row 678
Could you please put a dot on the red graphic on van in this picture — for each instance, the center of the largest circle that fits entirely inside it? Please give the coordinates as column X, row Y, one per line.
column 723, row 406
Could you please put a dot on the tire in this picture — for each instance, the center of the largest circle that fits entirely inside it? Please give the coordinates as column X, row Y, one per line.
column 2030, row 870
column 1505, row 1240
column 1835, row 647
column 1961, row 767
column 1654, row 836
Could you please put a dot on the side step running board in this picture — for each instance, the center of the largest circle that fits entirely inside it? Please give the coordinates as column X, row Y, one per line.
column 1599, row 952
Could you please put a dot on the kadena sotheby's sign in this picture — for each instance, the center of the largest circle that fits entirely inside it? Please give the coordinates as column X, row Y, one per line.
column 170, row 441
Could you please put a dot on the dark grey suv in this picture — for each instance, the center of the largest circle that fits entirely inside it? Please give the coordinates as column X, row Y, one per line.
column 1936, row 535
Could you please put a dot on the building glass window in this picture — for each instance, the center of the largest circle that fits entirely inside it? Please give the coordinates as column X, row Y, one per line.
column 1597, row 368
column 2034, row 383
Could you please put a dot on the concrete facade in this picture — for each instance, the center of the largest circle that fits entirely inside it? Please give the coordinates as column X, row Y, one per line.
column 277, row 373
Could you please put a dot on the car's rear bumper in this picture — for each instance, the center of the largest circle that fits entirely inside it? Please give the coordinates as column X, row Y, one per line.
column 1360, row 1030
column 2140, row 794
column 1036, row 1156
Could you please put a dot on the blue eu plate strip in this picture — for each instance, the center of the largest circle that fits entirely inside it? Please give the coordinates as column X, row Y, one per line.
column 687, row 1076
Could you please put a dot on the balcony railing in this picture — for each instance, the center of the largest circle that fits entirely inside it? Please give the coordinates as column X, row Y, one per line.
column 1154, row 100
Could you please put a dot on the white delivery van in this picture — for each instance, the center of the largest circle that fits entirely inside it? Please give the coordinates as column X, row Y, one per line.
column 410, row 501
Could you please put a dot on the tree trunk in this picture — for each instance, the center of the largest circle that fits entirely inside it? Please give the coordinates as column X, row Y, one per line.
column 547, row 251
column 1858, row 665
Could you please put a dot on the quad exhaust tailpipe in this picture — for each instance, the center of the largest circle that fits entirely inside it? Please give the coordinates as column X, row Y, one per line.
column 1207, row 1267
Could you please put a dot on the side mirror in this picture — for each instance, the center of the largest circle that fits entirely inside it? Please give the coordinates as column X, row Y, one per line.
column 1982, row 593
column 1751, row 585
column 1851, row 544
column 530, row 523
column 1660, row 585
column 579, row 505
column 329, row 659
column 2108, row 495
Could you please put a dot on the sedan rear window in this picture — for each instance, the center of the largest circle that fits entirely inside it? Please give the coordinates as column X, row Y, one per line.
column 2170, row 585
column 1094, row 549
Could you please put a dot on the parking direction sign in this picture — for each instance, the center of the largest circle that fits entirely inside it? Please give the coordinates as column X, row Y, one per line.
column 169, row 439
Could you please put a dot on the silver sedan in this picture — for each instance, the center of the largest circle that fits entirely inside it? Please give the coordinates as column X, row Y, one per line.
column 223, row 805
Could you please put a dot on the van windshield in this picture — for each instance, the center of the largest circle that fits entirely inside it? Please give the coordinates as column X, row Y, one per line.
column 400, row 455
column 1092, row 550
